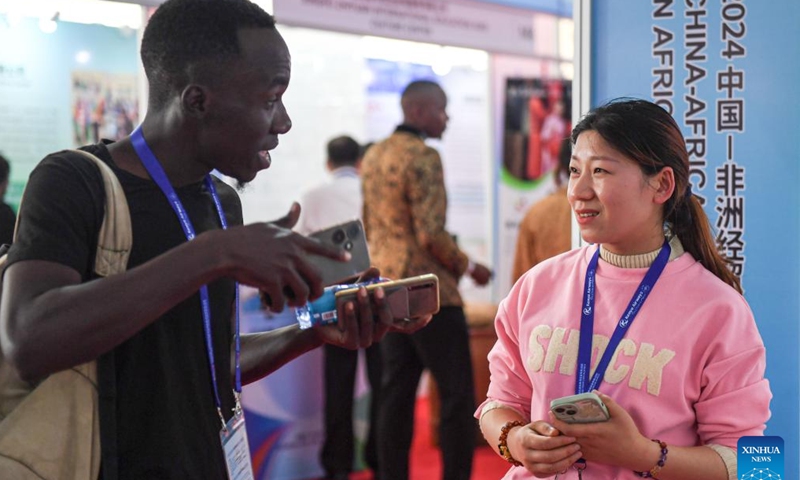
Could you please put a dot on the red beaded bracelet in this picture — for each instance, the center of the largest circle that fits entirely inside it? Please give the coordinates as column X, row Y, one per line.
column 659, row 465
column 503, row 446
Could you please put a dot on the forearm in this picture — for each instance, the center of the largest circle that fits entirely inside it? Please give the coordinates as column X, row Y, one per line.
column 67, row 322
column 445, row 250
column 683, row 463
column 492, row 421
column 263, row 353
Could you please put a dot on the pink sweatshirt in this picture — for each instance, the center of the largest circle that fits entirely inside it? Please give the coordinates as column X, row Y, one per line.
column 690, row 369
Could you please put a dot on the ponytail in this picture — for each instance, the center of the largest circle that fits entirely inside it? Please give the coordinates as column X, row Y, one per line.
column 690, row 223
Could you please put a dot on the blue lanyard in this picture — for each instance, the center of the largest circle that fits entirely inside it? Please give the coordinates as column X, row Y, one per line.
column 582, row 384
column 158, row 175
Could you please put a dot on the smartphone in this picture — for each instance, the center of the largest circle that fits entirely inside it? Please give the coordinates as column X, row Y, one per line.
column 581, row 408
column 407, row 297
column 349, row 236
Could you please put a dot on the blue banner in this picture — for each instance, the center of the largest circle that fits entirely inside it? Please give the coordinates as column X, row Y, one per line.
column 727, row 70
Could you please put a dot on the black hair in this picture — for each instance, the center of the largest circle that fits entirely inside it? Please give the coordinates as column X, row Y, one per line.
column 343, row 152
column 646, row 133
column 182, row 34
column 420, row 86
column 5, row 169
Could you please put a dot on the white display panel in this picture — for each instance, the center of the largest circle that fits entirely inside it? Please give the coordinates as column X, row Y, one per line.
column 325, row 99
column 466, row 23
column 333, row 92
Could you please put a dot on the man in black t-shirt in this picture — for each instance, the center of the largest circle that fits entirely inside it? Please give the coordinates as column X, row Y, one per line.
column 217, row 71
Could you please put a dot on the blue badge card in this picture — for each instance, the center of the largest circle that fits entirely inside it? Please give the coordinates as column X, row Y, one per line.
column 760, row 458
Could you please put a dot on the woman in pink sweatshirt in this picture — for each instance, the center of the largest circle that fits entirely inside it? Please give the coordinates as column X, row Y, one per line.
column 649, row 317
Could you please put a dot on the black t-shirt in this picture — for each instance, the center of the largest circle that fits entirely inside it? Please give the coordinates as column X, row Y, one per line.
column 158, row 417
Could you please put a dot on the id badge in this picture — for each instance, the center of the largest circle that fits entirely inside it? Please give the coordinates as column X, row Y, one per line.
column 236, row 448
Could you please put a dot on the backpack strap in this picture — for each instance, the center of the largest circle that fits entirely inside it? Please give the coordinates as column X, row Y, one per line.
column 115, row 239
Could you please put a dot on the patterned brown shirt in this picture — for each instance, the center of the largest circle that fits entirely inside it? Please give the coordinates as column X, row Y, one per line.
column 405, row 211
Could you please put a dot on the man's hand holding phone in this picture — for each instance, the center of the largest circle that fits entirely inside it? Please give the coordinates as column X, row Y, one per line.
column 350, row 237
column 407, row 297
column 274, row 259
column 327, row 257
column 333, row 255
column 365, row 317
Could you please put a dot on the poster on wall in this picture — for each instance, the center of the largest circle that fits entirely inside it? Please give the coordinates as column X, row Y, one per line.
column 536, row 119
column 723, row 70
column 39, row 94
column 103, row 105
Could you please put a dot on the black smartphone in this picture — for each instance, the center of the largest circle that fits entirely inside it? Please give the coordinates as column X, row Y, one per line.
column 407, row 297
column 348, row 236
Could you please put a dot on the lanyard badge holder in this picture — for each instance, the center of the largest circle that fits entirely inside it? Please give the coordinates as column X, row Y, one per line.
column 233, row 434
column 582, row 382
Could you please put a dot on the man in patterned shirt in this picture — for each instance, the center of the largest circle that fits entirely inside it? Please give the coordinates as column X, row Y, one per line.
column 405, row 209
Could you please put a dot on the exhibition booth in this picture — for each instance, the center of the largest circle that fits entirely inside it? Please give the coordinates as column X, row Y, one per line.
column 70, row 74
column 74, row 76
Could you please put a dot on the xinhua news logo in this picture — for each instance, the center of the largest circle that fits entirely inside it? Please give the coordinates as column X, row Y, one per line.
column 760, row 458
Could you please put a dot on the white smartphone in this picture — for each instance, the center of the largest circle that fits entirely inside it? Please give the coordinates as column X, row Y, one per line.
column 581, row 408
column 349, row 236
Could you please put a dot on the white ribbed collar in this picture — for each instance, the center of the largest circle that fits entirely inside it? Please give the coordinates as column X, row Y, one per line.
column 642, row 260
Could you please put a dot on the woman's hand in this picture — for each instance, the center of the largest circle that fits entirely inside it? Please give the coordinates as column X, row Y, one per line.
column 613, row 442
column 542, row 449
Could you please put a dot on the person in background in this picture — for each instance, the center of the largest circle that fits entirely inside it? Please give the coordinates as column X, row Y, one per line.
column 217, row 71
column 680, row 362
column 544, row 232
column 405, row 209
column 554, row 128
column 337, row 201
column 7, row 216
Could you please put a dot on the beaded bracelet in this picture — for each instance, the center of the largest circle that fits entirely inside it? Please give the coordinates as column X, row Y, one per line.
column 503, row 445
column 658, row 466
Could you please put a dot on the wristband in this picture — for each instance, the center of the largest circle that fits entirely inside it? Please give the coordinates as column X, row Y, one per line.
column 503, row 445
column 653, row 472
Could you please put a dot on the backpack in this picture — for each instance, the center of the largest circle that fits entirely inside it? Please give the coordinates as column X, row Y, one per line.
column 51, row 430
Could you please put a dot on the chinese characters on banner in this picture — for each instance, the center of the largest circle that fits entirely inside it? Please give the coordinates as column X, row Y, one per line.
column 730, row 111
column 727, row 111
